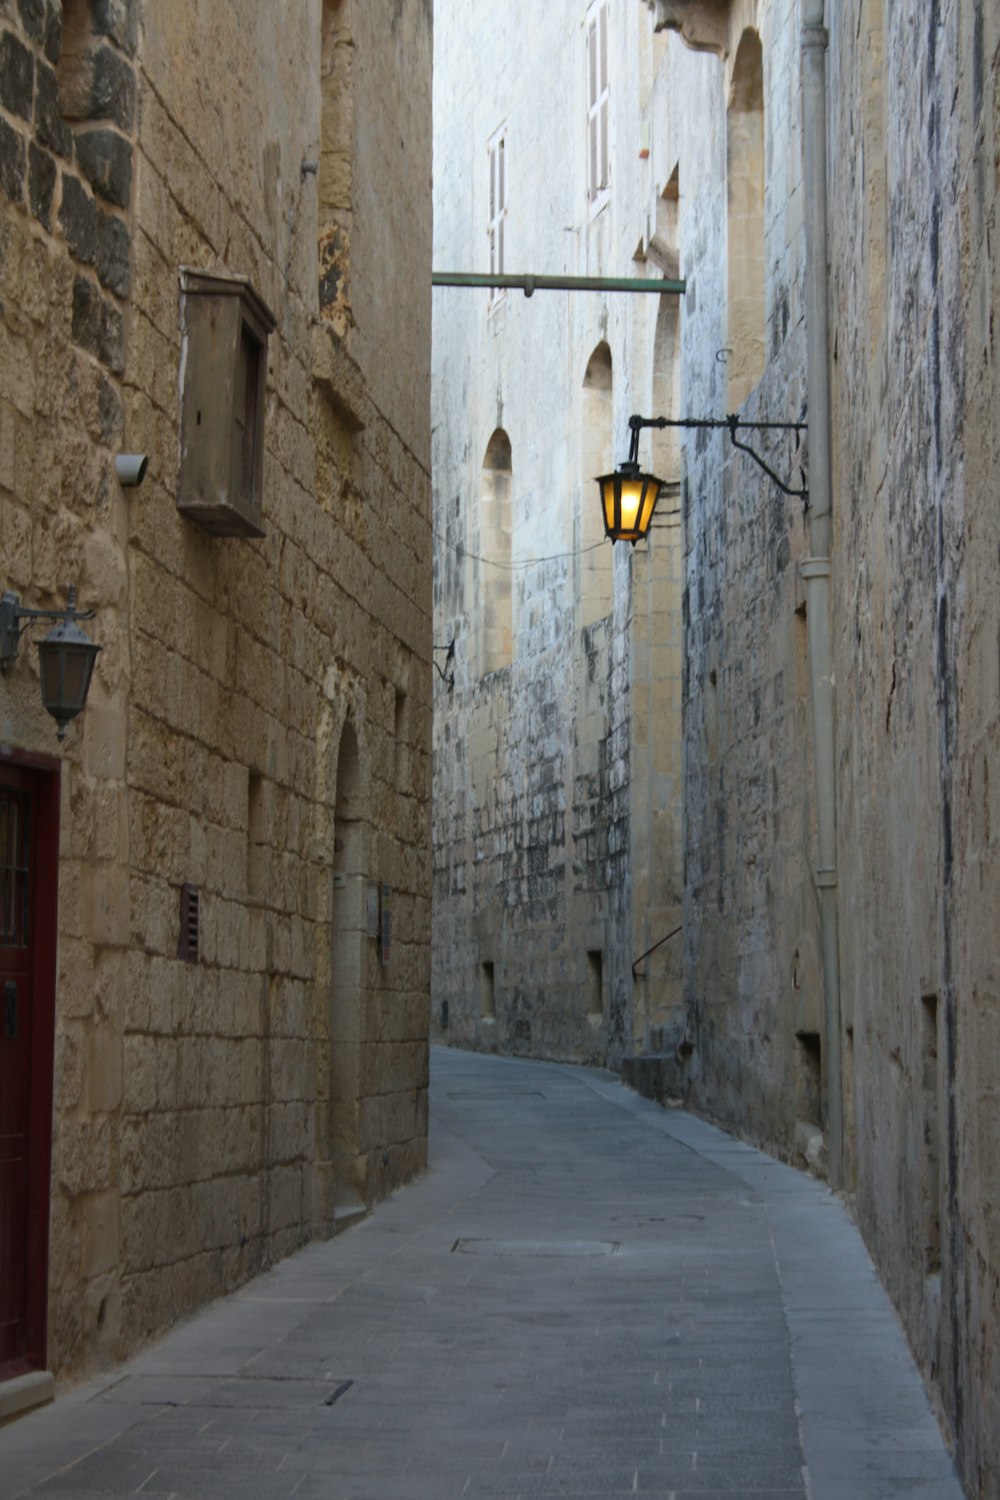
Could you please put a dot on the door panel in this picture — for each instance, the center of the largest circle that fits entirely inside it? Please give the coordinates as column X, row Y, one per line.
column 28, row 878
column 16, row 911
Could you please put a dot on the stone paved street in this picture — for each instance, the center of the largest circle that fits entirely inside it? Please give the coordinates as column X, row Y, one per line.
column 584, row 1296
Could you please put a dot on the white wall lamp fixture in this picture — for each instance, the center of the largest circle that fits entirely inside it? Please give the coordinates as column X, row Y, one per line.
column 66, row 656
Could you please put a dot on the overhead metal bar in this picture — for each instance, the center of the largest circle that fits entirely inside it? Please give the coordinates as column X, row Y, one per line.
column 529, row 284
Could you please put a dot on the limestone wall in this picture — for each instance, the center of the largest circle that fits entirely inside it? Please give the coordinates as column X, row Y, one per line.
column 912, row 118
column 555, row 863
column 752, row 984
column 259, row 724
column 917, row 668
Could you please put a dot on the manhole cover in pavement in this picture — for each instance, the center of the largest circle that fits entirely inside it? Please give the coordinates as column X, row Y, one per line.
column 536, row 1247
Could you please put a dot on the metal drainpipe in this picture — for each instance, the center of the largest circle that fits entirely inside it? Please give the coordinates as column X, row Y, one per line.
column 815, row 569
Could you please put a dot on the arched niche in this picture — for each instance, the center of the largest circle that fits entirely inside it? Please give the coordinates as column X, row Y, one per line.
column 745, row 221
column 596, row 443
column 347, row 979
column 492, row 576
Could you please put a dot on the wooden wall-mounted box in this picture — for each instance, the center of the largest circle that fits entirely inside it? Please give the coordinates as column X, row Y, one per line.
column 224, row 332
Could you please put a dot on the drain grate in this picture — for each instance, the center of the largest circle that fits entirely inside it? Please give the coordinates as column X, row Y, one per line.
column 536, row 1249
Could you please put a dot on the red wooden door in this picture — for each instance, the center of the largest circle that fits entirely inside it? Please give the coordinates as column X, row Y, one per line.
column 27, row 944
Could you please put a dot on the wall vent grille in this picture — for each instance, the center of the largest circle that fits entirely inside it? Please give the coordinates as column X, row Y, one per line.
column 190, row 931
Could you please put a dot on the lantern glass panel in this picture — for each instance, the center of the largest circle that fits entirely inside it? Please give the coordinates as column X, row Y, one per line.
column 66, row 663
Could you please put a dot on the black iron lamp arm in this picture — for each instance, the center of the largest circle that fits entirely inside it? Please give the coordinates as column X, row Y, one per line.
column 732, row 424
column 446, row 676
column 15, row 618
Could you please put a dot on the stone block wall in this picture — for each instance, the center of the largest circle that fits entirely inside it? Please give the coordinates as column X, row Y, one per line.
column 544, row 892
column 912, row 110
column 209, row 1116
column 751, row 981
column 918, row 635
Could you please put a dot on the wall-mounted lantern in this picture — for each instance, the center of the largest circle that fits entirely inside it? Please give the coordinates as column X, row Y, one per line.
column 66, row 656
column 628, row 497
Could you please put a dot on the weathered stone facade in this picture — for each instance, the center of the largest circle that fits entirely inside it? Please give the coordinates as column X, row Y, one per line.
column 840, row 1003
column 258, row 727
column 557, row 842
column 912, row 200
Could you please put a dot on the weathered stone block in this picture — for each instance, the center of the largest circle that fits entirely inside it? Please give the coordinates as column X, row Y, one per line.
column 78, row 219
column 12, row 161
column 106, row 161
column 51, row 127
column 112, row 89
column 42, row 174
column 53, row 29
column 17, row 76
column 119, row 20
column 33, row 17
column 97, row 326
column 113, row 248
column 101, row 1232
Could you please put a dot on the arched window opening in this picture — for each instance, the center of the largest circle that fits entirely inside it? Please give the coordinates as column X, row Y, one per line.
column 492, row 573
column 745, row 220
column 335, row 165
column 597, row 457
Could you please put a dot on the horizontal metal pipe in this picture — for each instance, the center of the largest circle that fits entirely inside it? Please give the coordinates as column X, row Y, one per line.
column 529, row 284
column 719, row 422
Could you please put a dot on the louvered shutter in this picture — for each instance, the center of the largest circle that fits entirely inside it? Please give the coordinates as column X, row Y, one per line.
column 497, row 150
column 604, row 161
column 593, row 94
column 501, row 200
column 493, row 210
column 598, row 136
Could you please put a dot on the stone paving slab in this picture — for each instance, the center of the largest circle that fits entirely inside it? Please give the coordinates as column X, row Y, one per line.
column 584, row 1296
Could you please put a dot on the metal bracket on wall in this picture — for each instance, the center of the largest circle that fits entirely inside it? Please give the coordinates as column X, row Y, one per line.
column 446, row 676
column 673, row 933
column 733, row 424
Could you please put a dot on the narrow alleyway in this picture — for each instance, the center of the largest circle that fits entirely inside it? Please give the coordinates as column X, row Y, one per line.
column 585, row 1295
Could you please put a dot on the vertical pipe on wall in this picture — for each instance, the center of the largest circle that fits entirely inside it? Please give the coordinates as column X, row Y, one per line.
column 816, row 568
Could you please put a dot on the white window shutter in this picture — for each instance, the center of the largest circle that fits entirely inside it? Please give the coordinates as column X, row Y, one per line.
column 497, row 150
column 593, row 154
column 598, row 131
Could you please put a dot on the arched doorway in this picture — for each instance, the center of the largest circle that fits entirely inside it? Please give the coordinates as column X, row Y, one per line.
column 347, row 969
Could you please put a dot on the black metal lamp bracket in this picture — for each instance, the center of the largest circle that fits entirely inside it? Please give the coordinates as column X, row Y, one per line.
column 447, row 672
column 12, row 613
column 733, row 425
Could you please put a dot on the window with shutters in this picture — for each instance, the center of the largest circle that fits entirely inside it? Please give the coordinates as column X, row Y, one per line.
column 497, row 152
column 598, row 140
